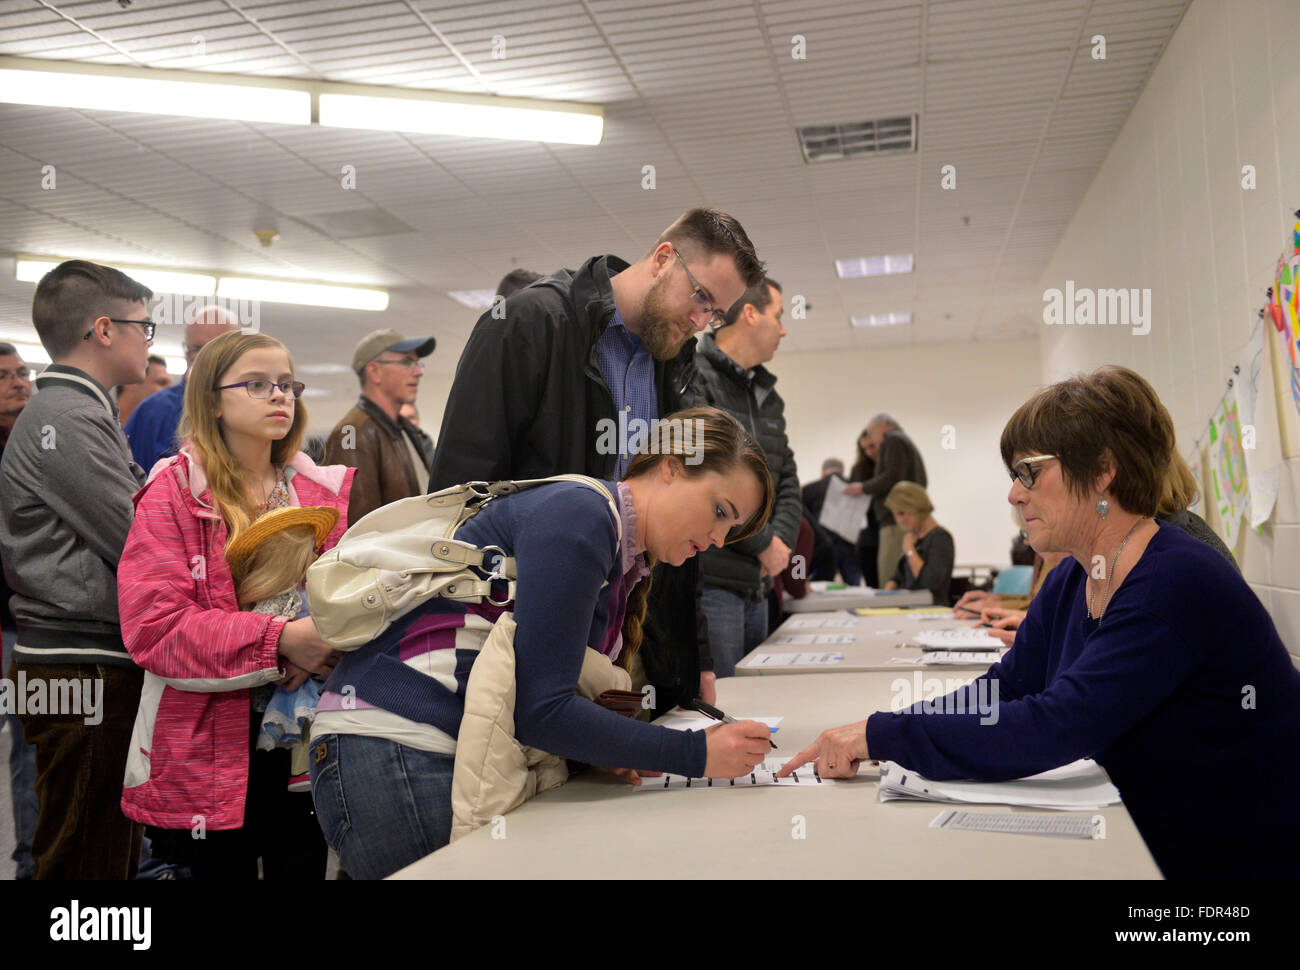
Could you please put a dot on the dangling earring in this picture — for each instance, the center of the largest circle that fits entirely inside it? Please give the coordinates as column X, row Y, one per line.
column 1102, row 507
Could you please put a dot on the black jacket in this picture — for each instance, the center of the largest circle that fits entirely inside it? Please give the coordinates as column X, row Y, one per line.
column 528, row 391
column 898, row 461
column 525, row 403
column 754, row 402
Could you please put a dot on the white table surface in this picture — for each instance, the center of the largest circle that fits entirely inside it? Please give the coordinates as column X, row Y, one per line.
column 595, row 827
column 877, row 640
column 819, row 598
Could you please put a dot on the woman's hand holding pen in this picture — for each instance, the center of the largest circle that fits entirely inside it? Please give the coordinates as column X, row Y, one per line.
column 736, row 749
column 837, row 752
column 971, row 603
column 1001, row 623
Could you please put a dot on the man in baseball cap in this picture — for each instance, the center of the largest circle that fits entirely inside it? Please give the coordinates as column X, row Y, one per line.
column 373, row 437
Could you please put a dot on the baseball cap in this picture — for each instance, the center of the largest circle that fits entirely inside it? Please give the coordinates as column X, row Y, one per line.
column 374, row 344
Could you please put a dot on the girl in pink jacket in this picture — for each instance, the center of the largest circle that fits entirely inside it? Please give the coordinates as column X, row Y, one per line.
column 210, row 800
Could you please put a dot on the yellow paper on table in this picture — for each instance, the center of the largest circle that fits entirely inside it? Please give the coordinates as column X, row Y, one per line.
column 892, row 610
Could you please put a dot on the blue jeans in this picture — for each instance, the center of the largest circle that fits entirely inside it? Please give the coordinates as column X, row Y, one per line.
column 382, row 805
column 22, row 780
column 736, row 626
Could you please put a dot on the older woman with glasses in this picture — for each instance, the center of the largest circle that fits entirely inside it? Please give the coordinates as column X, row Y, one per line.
column 1148, row 652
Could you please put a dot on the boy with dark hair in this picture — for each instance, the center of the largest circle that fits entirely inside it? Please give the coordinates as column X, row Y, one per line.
column 66, row 485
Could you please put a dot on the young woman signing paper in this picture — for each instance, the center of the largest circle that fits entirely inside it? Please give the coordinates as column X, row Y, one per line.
column 387, row 730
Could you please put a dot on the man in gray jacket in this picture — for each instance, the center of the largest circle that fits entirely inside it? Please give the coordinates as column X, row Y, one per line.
column 897, row 460
column 66, row 484
column 730, row 375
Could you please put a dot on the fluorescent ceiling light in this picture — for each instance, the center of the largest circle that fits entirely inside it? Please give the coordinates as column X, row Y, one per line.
column 311, row 294
column 881, row 319
column 195, row 94
column 230, row 287
column 873, row 266
column 31, row 353
column 323, row 369
column 470, row 116
column 60, row 84
column 158, row 280
column 474, row 299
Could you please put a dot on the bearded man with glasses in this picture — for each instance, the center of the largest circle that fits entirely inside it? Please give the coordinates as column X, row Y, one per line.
column 546, row 374
column 385, row 448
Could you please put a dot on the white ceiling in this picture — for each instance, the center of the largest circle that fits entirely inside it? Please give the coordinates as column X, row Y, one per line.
column 706, row 91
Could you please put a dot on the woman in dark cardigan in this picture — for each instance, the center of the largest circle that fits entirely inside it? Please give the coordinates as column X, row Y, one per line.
column 1148, row 652
column 928, row 549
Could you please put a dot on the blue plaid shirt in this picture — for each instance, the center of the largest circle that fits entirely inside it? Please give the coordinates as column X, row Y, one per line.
column 629, row 371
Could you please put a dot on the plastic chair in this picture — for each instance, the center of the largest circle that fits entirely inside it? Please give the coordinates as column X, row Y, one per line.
column 1014, row 581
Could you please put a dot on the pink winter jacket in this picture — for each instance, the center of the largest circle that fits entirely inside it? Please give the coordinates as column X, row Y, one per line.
column 188, row 761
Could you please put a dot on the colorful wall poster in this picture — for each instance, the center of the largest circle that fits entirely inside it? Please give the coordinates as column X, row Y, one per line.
column 1261, row 444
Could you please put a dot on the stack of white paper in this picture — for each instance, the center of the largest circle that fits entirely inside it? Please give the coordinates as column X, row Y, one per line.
column 808, row 622
column 794, row 659
column 966, row 638
column 809, row 639
column 1081, row 786
column 845, row 515
column 1057, row 826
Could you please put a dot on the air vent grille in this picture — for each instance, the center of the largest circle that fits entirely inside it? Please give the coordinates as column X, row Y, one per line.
column 824, row 143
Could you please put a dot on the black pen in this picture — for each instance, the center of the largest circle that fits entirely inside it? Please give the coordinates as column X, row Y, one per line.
column 717, row 715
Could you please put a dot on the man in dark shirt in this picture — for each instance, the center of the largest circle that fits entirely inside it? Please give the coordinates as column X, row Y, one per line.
column 832, row 554
column 897, row 460
column 737, row 578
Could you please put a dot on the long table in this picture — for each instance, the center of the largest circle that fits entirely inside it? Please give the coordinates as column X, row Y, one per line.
column 879, row 643
column 596, row 827
column 853, row 597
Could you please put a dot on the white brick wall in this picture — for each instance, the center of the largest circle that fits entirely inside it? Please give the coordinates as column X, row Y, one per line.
column 1167, row 211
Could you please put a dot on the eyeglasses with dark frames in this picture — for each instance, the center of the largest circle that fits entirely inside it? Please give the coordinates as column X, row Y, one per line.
column 1024, row 471
column 260, row 388
column 148, row 326
column 699, row 297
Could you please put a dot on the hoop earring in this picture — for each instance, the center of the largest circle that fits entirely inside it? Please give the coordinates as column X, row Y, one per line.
column 1102, row 507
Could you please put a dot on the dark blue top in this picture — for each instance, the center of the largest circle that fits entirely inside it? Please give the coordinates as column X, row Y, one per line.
column 1184, row 693
column 565, row 542
column 151, row 428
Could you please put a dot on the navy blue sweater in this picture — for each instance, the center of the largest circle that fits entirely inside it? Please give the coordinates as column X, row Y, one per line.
column 564, row 539
column 1184, row 693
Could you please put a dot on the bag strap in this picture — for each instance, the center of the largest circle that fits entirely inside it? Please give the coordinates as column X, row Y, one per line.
column 498, row 489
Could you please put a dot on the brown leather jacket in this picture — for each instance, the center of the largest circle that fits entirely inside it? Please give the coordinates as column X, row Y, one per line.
column 374, row 444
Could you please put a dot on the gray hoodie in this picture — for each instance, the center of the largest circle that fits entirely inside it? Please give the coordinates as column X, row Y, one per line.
column 66, row 487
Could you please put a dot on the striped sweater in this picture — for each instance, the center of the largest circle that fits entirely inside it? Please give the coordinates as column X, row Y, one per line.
column 409, row 684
